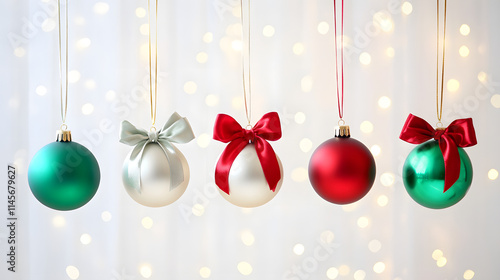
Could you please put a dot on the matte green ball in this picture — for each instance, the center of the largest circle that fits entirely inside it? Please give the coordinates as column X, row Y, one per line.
column 423, row 176
column 64, row 175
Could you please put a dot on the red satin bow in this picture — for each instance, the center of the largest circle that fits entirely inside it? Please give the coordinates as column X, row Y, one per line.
column 226, row 130
column 460, row 133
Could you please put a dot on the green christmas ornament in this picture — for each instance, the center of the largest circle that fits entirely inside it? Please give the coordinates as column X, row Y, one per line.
column 64, row 175
column 424, row 176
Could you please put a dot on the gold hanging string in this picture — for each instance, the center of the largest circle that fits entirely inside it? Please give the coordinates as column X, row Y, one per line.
column 440, row 89
column 63, row 80
column 247, row 97
column 153, row 91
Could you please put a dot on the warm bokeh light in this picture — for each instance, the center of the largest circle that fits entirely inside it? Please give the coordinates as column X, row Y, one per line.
column 146, row 271
column 384, row 102
column 203, row 140
column 198, row 210
column 106, row 216
column 205, row 272
column 298, row 249
column 202, row 57
column 366, row 127
column 147, row 222
column 190, row 87
column 359, row 275
column 245, row 268
column 365, row 58
column 306, row 84
column 298, row 48
column 379, row 267
column 407, row 8
column 495, row 100
column 87, row 108
column 382, row 200
column 363, row 222
column 300, row 174
column 85, row 239
column 468, row 274
column 492, row 174
column 374, row 246
column 208, row 37
column 441, row 262
column 436, row 254
column 74, row 76
column 300, row 117
column 41, row 90
column 387, row 179
column 390, row 52
column 72, row 272
column 268, row 31
column 305, row 145
column 464, row 29
column 101, row 8
column 323, row 27
column 375, row 150
column 482, row 76
column 464, row 51
column 140, row 12
column 332, row 273
column 344, row 270
column 212, row 100
column 384, row 21
column 247, row 238
column 453, row 85
column 58, row 221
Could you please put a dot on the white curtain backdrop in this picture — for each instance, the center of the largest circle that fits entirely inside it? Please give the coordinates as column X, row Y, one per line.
column 390, row 52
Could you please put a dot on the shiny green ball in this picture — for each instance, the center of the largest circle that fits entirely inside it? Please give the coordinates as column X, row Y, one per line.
column 64, row 175
column 423, row 176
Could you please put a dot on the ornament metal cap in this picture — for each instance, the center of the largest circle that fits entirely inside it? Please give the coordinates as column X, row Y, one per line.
column 63, row 136
column 342, row 131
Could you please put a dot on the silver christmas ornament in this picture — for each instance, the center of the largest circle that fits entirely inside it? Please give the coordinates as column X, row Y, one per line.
column 247, row 182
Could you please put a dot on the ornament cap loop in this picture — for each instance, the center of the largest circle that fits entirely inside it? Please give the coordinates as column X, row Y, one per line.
column 63, row 135
column 343, row 131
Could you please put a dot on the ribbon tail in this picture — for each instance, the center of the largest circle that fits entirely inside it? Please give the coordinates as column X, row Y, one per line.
column 226, row 161
column 451, row 161
column 175, row 163
column 134, row 167
column 269, row 162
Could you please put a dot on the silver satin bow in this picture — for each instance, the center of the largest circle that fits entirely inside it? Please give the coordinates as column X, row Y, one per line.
column 176, row 130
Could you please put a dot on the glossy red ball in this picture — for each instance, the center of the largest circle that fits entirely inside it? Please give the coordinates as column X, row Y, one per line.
column 342, row 170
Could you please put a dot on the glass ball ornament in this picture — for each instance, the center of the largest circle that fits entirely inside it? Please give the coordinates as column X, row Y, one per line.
column 155, row 177
column 248, row 187
column 342, row 169
column 424, row 174
column 64, row 175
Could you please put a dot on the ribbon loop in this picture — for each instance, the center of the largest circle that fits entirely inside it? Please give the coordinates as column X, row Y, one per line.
column 227, row 130
column 460, row 133
column 176, row 130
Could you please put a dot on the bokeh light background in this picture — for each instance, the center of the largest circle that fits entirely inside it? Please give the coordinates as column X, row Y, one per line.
column 390, row 72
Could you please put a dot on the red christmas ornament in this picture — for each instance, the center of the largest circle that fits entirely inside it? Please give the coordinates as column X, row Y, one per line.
column 342, row 169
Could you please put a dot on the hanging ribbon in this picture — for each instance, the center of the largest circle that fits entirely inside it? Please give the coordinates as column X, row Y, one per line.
column 227, row 130
column 460, row 133
column 176, row 130
column 339, row 77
